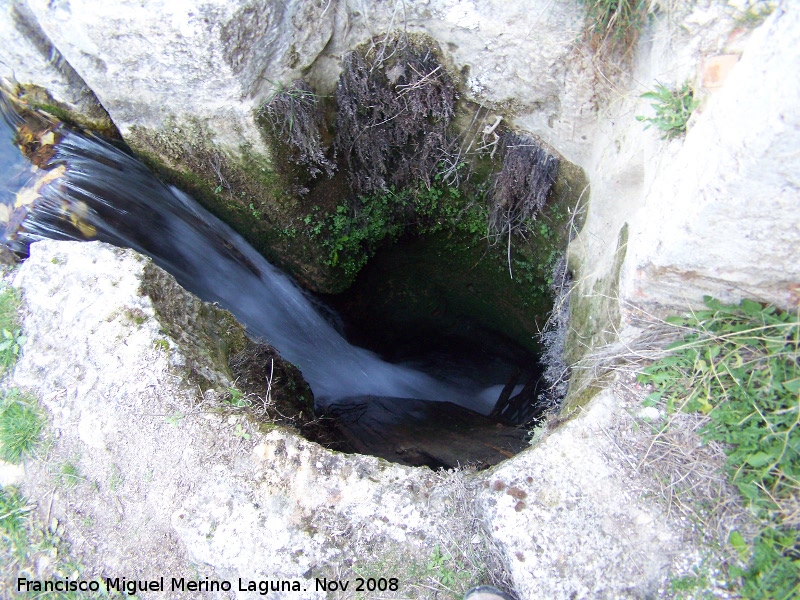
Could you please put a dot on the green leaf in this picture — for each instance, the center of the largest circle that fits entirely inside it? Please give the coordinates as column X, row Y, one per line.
column 759, row 459
column 736, row 540
column 652, row 399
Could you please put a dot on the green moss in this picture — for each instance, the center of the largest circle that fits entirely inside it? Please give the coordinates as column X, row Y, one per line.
column 594, row 319
column 447, row 281
column 247, row 191
column 207, row 335
column 98, row 121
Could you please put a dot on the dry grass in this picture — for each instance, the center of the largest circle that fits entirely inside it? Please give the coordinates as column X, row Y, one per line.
column 395, row 103
column 667, row 458
column 671, row 464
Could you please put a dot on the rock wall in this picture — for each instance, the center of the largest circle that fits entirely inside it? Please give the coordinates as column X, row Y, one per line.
column 721, row 215
column 714, row 213
column 174, row 482
column 708, row 215
column 158, row 64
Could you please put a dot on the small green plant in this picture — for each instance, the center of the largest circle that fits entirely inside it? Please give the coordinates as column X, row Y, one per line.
column 443, row 569
column 673, row 107
column 236, row 397
column 11, row 338
column 161, row 344
column 616, row 20
column 740, row 365
column 174, row 419
column 21, row 424
column 69, row 475
column 241, row 432
column 254, row 212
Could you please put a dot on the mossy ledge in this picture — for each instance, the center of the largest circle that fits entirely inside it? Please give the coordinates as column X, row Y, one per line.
column 241, row 187
column 595, row 318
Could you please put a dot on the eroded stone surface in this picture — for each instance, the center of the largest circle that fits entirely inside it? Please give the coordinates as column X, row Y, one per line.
column 729, row 224
column 168, row 481
column 568, row 521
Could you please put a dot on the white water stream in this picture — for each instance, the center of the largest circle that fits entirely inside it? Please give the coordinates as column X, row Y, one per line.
column 128, row 206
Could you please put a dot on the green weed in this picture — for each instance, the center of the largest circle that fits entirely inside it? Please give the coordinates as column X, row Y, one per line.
column 21, row 424
column 11, row 338
column 236, row 397
column 241, row 432
column 740, row 365
column 673, row 108
column 174, row 419
column 69, row 475
column 13, row 511
column 443, row 569
column 25, row 546
column 352, row 234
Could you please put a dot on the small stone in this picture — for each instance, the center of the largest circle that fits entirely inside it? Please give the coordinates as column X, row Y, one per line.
column 649, row 413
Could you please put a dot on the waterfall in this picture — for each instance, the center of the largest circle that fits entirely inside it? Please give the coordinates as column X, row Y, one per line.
column 106, row 194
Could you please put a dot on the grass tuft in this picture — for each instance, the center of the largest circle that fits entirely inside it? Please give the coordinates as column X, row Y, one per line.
column 13, row 517
column 21, row 424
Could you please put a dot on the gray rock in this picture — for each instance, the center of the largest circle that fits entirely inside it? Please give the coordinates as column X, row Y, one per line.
column 169, row 478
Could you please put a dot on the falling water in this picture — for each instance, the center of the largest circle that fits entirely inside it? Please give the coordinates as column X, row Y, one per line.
column 105, row 194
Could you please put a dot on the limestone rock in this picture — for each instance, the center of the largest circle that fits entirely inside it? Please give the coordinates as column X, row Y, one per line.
column 205, row 61
column 728, row 199
column 28, row 57
column 170, row 485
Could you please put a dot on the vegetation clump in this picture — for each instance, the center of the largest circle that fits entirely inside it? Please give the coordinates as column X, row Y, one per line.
column 21, row 424
column 395, row 103
column 673, row 108
column 295, row 117
column 11, row 337
column 617, row 22
column 740, row 366
column 520, row 189
column 352, row 234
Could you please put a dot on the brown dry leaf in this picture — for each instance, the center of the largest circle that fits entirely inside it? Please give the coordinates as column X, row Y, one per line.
column 78, row 212
column 28, row 194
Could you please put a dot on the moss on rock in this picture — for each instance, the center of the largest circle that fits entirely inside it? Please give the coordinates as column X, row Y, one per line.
column 242, row 187
column 217, row 351
column 595, row 319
